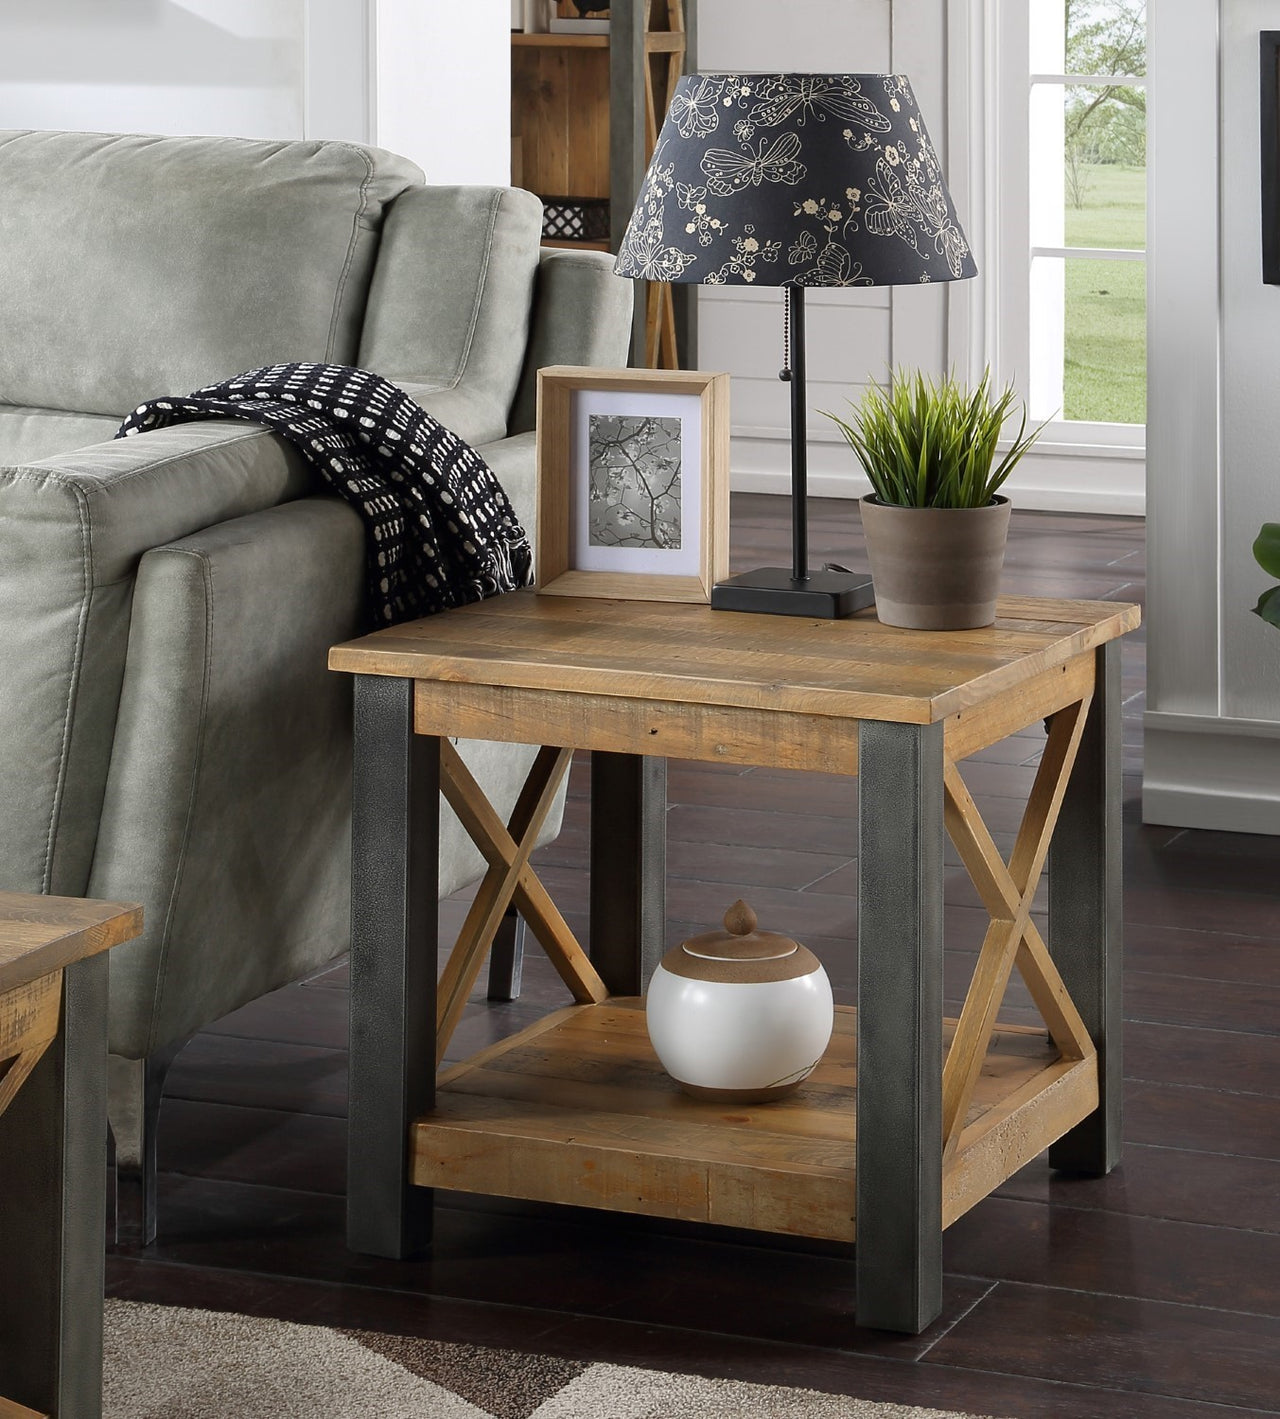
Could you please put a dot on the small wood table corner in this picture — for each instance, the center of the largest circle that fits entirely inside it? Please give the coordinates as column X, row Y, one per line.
column 53, row 1149
column 909, row 1120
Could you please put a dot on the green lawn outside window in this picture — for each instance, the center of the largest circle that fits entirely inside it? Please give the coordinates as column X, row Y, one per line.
column 1105, row 366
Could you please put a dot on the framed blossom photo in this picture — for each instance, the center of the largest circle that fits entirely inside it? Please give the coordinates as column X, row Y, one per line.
column 633, row 483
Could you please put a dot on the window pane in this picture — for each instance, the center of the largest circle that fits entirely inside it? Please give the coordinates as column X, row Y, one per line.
column 1105, row 345
column 1098, row 197
column 1105, row 167
column 1106, row 206
column 1104, row 36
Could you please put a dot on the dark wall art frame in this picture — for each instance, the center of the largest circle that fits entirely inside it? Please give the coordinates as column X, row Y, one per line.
column 1269, row 44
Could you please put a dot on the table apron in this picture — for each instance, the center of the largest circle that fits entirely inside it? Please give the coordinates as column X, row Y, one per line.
column 719, row 733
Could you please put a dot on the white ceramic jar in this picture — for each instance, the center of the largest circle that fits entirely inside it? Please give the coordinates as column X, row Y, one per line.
column 739, row 1015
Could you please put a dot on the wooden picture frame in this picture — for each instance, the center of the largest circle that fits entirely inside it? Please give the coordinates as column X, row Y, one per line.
column 598, row 431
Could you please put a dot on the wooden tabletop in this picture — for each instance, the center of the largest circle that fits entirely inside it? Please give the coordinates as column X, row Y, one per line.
column 42, row 934
column 690, row 654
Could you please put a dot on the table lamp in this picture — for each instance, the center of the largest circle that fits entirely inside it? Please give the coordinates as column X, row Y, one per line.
column 794, row 180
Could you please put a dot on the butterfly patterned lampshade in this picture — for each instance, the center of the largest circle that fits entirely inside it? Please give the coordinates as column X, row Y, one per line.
column 795, row 179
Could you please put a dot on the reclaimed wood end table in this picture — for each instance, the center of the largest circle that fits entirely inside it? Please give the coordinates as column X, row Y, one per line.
column 909, row 1120
column 53, row 1149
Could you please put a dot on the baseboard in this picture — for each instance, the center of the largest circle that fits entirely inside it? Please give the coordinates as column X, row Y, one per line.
column 1050, row 482
column 1204, row 772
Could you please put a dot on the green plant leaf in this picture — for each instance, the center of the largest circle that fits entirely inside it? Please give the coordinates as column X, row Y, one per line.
column 1266, row 549
column 927, row 443
column 1268, row 606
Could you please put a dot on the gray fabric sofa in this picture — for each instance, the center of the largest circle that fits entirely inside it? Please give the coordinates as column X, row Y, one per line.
column 168, row 730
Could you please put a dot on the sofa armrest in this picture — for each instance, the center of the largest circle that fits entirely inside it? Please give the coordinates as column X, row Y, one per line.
column 227, row 807
column 73, row 529
column 227, row 804
column 581, row 316
column 140, row 492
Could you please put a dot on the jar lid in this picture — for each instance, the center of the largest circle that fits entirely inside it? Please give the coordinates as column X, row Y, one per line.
column 740, row 941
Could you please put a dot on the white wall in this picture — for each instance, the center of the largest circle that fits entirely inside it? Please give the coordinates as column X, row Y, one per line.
column 339, row 70
column 1213, row 720
column 405, row 74
column 853, row 335
column 153, row 66
column 443, row 87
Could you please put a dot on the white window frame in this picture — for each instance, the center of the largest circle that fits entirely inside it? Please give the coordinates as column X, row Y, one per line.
column 1077, row 464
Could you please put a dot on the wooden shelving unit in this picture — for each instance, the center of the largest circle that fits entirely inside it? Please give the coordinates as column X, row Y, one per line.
column 577, row 1109
column 586, row 109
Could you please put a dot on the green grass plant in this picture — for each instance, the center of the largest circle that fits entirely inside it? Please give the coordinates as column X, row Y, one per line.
column 927, row 443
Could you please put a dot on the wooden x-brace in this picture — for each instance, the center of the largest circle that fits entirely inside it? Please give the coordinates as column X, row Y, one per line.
column 1007, row 892
column 510, row 879
column 28, row 1026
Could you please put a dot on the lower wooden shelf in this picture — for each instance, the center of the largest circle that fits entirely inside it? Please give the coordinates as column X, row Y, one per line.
column 576, row 1109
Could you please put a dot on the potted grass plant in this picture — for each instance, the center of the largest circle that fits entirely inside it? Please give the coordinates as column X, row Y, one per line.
column 935, row 522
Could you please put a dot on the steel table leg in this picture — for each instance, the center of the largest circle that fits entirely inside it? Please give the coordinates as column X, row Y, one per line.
column 394, row 940
column 899, row 1089
column 628, row 868
column 1085, row 914
column 53, row 1162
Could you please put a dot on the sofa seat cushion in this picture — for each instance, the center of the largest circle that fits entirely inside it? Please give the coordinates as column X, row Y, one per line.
column 180, row 261
column 29, row 434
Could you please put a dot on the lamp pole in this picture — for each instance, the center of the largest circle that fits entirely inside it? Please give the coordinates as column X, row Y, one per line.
column 824, row 594
column 794, row 372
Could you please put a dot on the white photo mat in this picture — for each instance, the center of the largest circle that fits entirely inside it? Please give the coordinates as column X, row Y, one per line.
column 687, row 408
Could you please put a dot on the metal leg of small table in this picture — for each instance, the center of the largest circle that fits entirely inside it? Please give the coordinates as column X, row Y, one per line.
column 53, row 1162
column 899, row 1090
column 1085, row 914
column 395, row 879
column 628, row 868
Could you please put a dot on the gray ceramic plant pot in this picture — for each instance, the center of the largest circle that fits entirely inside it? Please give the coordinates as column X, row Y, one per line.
column 934, row 568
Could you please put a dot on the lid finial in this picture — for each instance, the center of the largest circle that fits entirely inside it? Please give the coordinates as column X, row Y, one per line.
column 740, row 920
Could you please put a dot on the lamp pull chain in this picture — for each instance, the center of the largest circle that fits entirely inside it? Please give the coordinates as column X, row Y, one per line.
column 784, row 374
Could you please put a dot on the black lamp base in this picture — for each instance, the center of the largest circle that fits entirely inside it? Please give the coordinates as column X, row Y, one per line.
column 773, row 591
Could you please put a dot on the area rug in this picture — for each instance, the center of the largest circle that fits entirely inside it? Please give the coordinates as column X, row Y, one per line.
column 164, row 1362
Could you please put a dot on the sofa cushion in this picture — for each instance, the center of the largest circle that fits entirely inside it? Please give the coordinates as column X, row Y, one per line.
column 179, row 261
column 581, row 316
column 448, row 312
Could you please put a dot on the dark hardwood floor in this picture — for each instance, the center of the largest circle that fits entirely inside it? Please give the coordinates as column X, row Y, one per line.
column 1151, row 1294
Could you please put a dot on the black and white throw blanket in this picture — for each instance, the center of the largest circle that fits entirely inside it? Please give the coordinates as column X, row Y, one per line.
column 440, row 528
